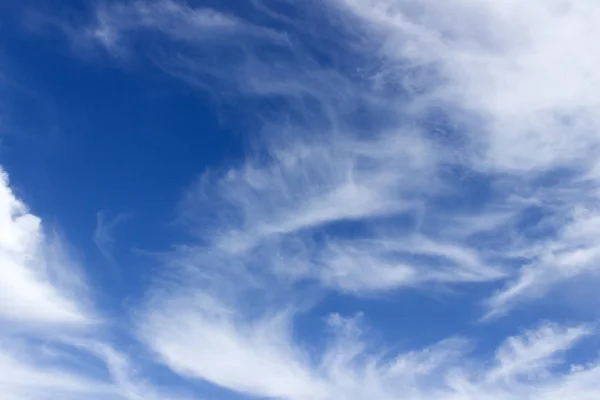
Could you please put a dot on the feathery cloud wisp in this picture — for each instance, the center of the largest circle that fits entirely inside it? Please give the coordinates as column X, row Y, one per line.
column 104, row 234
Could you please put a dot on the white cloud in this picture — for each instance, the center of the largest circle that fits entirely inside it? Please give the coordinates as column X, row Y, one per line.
column 384, row 263
column 521, row 80
column 308, row 186
column 39, row 283
column 42, row 294
column 526, row 71
column 201, row 338
column 533, row 353
column 209, row 341
column 573, row 252
column 532, row 86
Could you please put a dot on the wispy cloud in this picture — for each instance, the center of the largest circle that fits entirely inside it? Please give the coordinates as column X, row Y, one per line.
column 114, row 23
column 202, row 339
column 104, row 234
column 534, row 353
column 574, row 251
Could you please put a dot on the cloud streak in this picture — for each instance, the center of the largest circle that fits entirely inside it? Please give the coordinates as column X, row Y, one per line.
column 104, row 234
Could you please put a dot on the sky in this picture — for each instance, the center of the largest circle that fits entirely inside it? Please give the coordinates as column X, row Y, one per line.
column 299, row 200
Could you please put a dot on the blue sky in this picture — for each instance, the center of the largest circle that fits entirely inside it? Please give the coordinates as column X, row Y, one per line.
column 281, row 199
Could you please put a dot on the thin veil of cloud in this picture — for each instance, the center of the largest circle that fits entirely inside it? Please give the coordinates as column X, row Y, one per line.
column 104, row 235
